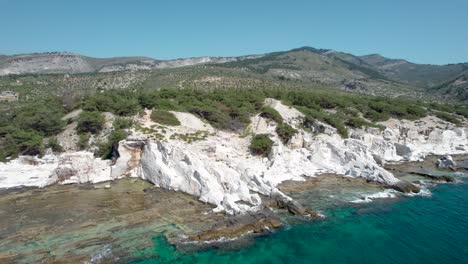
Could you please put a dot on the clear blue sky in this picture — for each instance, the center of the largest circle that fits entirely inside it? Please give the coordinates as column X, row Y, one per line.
column 423, row 31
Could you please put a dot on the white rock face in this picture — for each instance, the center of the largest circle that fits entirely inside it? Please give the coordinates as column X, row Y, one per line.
column 80, row 167
column 220, row 170
column 27, row 171
column 214, row 182
column 128, row 163
column 209, row 169
column 414, row 140
column 74, row 167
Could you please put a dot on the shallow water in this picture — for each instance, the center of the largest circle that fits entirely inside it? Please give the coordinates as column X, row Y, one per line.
column 407, row 230
column 76, row 223
column 127, row 224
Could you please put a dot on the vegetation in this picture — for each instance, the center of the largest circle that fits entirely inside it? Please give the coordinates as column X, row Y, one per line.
column 44, row 116
column 54, row 144
column 271, row 113
column 105, row 148
column 119, row 102
column 122, row 123
column 24, row 124
column 191, row 137
column 285, row 132
column 448, row 117
column 15, row 141
column 91, row 122
column 83, row 141
column 357, row 122
column 164, row 118
column 261, row 145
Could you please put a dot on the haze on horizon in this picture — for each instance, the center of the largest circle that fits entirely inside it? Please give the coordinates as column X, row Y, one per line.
column 431, row 31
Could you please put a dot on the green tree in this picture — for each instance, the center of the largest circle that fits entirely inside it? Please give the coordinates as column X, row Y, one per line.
column 43, row 116
column 16, row 141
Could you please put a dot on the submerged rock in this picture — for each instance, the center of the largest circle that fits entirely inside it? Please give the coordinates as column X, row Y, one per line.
column 238, row 226
column 281, row 201
column 428, row 175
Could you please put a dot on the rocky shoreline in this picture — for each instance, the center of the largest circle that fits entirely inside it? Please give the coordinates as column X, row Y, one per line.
column 125, row 217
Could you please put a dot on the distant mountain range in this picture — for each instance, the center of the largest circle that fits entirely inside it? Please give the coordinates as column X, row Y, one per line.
column 64, row 62
column 307, row 65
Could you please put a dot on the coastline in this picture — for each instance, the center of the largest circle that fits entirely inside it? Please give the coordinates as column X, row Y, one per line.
column 141, row 211
column 211, row 191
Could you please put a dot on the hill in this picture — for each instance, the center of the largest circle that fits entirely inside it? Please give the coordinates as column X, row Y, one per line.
column 302, row 67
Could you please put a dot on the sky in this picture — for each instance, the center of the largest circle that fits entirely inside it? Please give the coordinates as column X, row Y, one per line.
column 421, row 31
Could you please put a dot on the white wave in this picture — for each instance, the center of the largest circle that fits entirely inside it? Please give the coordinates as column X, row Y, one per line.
column 385, row 194
column 105, row 252
column 423, row 191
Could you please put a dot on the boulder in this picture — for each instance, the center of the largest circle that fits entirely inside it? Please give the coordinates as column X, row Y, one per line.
column 402, row 150
column 320, row 127
column 447, row 162
column 405, row 187
column 281, row 201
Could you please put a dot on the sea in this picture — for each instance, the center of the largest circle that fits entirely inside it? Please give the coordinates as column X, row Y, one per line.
column 408, row 229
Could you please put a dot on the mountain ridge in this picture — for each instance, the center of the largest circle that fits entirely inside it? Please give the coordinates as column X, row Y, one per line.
column 369, row 74
column 67, row 62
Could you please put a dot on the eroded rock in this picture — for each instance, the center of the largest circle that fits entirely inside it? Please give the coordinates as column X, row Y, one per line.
column 405, row 187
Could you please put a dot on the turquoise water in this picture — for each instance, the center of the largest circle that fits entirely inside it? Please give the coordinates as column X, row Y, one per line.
column 410, row 230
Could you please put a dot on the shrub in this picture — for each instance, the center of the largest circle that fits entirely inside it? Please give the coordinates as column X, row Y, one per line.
column 83, row 141
column 308, row 121
column 415, row 112
column 54, row 144
column 91, row 122
column 216, row 118
column 338, row 124
column 356, row 122
column 105, row 148
column 376, row 116
column 164, row 118
column 119, row 102
column 271, row 113
column 448, row 117
column 261, row 145
column 285, row 132
column 122, row 123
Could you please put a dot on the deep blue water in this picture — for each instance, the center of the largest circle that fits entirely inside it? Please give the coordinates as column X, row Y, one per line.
column 410, row 230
